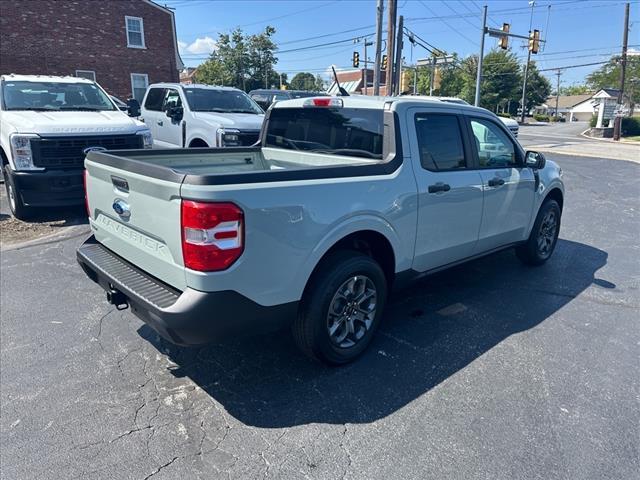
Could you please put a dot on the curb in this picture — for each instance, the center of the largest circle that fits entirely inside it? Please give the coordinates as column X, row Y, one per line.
column 68, row 233
column 584, row 155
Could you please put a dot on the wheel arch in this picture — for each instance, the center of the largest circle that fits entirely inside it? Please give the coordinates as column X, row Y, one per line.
column 370, row 242
column 557, row 195
column 197, row 142
column 4, row 158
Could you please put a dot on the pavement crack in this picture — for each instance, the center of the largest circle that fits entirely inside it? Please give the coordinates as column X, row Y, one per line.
column 157, row 470
column 346, row 450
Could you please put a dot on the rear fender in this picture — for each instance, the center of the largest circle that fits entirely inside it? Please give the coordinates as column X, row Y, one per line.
column 343, row 229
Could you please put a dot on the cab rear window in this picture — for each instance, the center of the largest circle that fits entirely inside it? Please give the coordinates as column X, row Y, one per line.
column 344, row 131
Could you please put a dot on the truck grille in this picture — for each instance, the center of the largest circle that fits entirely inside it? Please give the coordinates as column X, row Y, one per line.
column 248, row 137
column 67, row 152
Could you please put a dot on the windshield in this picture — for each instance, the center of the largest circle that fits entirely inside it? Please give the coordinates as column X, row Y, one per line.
column 55, row 96
column 227, row 101
column 355, row 132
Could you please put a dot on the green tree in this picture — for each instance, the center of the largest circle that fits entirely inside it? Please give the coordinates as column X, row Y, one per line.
column 303, row 81
column 538, row 89
column 574, row 90
column 241, row 61
column 320, row 84
column 608, row 76
column 501, row 80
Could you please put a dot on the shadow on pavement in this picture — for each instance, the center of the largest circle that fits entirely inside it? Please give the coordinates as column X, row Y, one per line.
column 431, row 331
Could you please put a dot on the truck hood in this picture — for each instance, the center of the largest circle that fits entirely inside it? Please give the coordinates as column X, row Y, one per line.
column 241, row 121
column 71, row 122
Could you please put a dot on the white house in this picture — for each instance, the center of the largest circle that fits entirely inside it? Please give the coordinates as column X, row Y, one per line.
column 577, row 107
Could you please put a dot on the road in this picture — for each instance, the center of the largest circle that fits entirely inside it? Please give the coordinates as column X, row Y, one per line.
column 489, row 370
column 566, row 138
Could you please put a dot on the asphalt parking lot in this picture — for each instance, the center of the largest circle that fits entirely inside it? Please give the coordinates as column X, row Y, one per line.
column 491, row 370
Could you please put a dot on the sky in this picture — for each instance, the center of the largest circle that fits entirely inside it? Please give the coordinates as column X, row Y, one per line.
column 576, row 31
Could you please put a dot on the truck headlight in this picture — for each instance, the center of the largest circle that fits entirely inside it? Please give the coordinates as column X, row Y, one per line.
column 21, row 153
column 228, row 137
column 147, row 138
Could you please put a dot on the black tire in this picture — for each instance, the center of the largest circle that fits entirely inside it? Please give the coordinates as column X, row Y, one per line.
column 17, row 207
column 311, row 327
column 531, row 252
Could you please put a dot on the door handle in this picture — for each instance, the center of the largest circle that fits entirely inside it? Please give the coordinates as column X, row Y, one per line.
column 496, row 182
column 160, row 122
column 439, row 187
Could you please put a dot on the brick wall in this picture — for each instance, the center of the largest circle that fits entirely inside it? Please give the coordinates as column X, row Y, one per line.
column 58, row 37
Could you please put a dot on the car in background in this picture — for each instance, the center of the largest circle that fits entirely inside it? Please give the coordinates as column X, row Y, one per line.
column 49, row 123
column 265, row 97
column 195, row 115
column 510, row 123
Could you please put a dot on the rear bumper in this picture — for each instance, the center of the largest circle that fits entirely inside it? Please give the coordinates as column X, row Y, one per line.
column 51, row 188
column 190, row 317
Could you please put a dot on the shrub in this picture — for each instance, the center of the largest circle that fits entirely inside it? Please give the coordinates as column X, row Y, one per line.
column 630, row 126
column 594, row 121
column 505, row 115
column 541, row 118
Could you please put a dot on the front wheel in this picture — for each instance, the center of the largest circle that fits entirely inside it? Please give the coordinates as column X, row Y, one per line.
column 544, row 235
column 341, row 309
column 16, row 205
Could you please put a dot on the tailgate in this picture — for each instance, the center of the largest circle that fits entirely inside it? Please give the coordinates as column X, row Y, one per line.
column 137, row 216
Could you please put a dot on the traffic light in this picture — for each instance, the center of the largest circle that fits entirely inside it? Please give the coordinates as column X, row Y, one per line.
column 356, row 59
column 405, row 81
column 504, row 40
column 534, row 41
column 384, row 62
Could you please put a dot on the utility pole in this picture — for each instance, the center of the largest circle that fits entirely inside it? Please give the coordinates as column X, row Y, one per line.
column 617, row 121
column 415, row 80
column 376, row 68
column 526, row 66
column 557, row 91
column 433, row 74
column 479, row 74
column 391, row 33
column 398, row 59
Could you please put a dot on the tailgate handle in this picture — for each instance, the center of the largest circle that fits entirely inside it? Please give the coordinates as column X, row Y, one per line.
column 120, row 183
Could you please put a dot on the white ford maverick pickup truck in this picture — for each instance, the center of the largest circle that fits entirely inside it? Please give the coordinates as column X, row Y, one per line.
column 342, row 199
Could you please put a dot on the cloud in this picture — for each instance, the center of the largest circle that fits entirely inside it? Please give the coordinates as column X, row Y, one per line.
column 204, row 45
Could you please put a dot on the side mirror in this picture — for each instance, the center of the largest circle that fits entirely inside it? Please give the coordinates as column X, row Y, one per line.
column 535, row 160
column 175, row 113
column 133, row 107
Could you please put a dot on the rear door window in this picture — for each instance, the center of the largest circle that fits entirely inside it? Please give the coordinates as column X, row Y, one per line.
column 343, row 131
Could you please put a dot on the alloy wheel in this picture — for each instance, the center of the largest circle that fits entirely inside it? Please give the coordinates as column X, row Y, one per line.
column 352, row 311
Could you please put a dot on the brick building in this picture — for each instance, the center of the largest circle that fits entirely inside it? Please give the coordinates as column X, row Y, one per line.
column 353, row 82
column 124, row 45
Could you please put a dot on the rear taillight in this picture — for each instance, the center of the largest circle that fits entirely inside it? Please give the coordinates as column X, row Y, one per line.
column 86, row 195
column 212, row 235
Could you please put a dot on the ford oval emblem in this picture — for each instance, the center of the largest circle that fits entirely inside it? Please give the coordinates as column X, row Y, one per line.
column 121, row 208
column 94, row 149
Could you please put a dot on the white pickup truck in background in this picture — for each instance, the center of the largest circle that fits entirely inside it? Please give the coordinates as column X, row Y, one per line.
column 47, row 125
column 200, row 116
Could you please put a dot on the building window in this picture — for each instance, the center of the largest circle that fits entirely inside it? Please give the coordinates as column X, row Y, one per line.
column 88, row 74
column 135, row 32
column 139, row 84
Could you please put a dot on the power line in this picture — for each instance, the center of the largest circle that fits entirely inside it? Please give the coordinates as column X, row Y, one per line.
column 448, row 24
column 458, row 13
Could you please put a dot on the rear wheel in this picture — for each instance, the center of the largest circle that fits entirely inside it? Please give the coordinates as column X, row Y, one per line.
column 544, row 235
column 17, row 207
column 342, row 308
